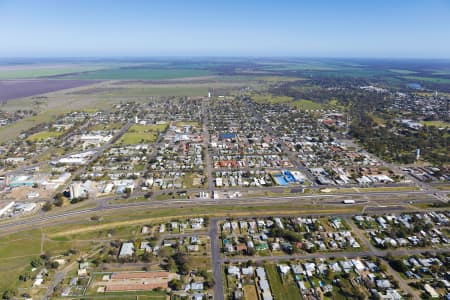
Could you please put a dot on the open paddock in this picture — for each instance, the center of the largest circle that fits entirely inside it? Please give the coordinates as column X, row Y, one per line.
column 12, row 89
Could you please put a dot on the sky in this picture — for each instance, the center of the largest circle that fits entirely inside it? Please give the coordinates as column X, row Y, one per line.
column 301, row 28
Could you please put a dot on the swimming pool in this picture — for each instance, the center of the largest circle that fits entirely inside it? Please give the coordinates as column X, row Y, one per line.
column 280, row 180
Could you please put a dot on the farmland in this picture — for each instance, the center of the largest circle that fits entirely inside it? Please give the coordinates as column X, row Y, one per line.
column 38, row 71
column 438, row 80
column 13, row 89
column 139, row 73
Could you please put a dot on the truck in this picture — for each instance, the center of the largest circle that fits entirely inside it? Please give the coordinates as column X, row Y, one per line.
column 349, row 201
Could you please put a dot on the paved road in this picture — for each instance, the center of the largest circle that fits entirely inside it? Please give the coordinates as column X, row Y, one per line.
column 216, row 260
column 353, row 254
column 404, row 286
column 329, row 199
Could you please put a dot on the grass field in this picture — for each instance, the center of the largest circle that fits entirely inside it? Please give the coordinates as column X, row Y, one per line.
column 300, row 66
column 188, row 180
column 44, row 71
column 307, row 105
column 44, row 135
column 282, row 288
column 267, row 98
column 375, row 189
column 250, row 292
column 158, row 90
column 402, row 71
column 145, row 295
column 438, row 124
column 429, row 79
column 142, row 134
column 17, row 250
column 273, row 79
column 443, row 187
column 140, row 74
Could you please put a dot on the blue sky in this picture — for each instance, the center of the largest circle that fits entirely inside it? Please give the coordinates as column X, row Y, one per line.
column 316, row 28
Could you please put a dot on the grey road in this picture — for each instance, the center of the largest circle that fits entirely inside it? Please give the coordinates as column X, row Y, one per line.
column 375, row 201
column 216, row 260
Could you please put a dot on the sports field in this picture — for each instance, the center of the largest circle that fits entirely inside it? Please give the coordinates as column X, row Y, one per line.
column 142, row 134
column 44, row 135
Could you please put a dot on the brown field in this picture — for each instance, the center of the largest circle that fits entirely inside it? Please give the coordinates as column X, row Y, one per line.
column 12, row 89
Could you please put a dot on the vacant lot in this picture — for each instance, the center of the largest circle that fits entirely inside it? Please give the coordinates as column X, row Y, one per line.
column 250, row 292
column 282, row 288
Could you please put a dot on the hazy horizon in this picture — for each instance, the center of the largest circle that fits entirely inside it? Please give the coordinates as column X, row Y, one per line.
column 323, row 29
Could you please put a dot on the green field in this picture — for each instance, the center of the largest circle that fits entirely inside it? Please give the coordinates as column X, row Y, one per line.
column 429, row 79
column 402, row 71
column 307, row 105
column 267, row 98
column 37, row 72
column 302, row 65
column 140, row 74
column 438, row 124
column 282, row 288
column 17, row 250
column 157, row 90
column 142, row 134
column 44, row 135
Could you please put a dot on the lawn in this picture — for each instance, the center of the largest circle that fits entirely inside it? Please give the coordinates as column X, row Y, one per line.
column 282, row 288
column 142, row 134
column 44, row 135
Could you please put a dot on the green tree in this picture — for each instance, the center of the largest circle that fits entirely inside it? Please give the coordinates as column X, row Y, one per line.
column 47, row 206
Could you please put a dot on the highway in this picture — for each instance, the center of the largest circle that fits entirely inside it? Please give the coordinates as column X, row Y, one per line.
column 378, row 200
